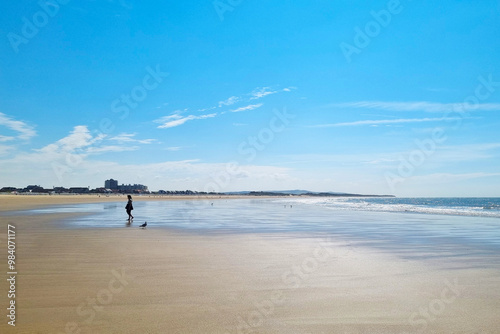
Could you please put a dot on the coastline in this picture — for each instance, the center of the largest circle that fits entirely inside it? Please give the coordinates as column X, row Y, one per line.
column 9, row 202
column 131, row 280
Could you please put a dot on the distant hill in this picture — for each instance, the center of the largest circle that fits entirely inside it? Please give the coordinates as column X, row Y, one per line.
column 300, row 193
column 284, row 192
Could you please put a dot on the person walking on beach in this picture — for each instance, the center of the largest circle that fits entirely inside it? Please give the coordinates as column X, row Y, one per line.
column 129, row 207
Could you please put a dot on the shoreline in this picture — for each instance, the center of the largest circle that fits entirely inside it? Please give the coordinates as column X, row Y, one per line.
column 162, row 281
column 18, row 202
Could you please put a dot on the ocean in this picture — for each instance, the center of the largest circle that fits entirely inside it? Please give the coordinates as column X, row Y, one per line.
column 470, row 222
column 473, row 207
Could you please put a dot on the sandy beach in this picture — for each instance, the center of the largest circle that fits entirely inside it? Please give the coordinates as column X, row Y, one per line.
column 24, row 202
column 128, row 280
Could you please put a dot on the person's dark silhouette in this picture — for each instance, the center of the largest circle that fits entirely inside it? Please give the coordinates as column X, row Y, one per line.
column 129, row 207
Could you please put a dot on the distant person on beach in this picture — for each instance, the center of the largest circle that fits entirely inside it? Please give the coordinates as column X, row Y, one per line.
column 129, row 207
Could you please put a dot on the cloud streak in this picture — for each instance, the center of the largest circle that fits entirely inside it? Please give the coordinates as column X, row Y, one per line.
column 386, row 122
column 425, row 106
column 261, row 92
column 81, row 142
column 230, row 101
column 78, row 139
column 450, row 177
column 176, row 120
column 25, row 132
column 129, row 138
column 249, row 107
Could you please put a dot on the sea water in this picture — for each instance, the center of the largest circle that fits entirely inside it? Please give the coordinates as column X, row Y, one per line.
column 397, row 224
column 474, row 207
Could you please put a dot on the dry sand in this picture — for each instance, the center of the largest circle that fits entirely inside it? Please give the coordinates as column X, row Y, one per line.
column 128, row 280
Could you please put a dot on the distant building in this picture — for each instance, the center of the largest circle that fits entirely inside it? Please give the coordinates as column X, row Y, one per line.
column 111, row 184
column 101, row 190
column 60, row 190
column 125, row 188
column 79, row 190
column 35, row 189
column 133, row 188
column 8, row 189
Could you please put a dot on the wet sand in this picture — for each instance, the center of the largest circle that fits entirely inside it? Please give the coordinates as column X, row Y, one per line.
column 24, row 202
column 128, row 280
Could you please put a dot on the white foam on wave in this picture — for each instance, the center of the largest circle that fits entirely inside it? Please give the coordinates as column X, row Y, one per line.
column 424, row 207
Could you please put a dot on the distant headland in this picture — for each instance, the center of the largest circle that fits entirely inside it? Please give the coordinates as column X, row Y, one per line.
column 111, row 187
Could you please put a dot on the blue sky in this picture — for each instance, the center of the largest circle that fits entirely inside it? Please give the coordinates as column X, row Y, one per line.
column 385, row 97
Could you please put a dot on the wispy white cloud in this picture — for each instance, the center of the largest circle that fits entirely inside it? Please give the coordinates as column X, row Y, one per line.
column 257, row 93
column 25, row 131
column 6, row 138
column 230, row 101
column 78, row 139
column 176, row 120
column 481, row 146
column 4, row 149
column 385, row 122
column 418, row 106
column 187, row 174
column 129, row 138
column 81, row 142
column 469, row 152
column 249, row 107
column 261, row 92
column 173, row 148
column 378, row 159
column 440, row 178
column 384, row 158
column 110, row 148
column 64, row 159
column 206, row 109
